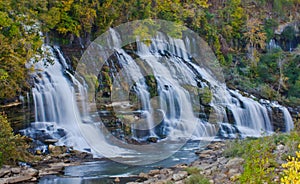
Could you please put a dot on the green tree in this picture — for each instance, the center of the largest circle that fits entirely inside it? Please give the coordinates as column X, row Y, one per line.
column 12, row 147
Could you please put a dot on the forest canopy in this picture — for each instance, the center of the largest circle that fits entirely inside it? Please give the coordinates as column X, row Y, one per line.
column 238, row 32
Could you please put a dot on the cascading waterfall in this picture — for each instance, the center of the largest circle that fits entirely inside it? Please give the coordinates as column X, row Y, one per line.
column 55, row 102
column 251, row 118
column 289, row 125
column 173, row 112
column 58, row 99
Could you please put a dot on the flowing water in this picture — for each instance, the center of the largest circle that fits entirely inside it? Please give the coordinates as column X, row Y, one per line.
column 175, row 111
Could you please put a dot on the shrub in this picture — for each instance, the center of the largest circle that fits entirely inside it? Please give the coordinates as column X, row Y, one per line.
column 291, row 172
column 259, row 159
column 13, row 148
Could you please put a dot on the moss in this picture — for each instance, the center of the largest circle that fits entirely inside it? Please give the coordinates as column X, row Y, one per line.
column 152, row 85
column 205, row 95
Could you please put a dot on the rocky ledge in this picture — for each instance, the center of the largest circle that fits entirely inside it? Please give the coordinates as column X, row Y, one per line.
column 211, row 164
column 51, row 164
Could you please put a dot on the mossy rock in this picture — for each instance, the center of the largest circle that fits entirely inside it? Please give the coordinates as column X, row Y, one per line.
column 205, row 96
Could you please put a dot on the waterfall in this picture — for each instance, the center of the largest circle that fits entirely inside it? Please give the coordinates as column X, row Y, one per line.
column 167, row 60
column 54, row 100
column 157, row 90
column 62, row 110
column 273, row 45
column 289, row 125
column 251, row 117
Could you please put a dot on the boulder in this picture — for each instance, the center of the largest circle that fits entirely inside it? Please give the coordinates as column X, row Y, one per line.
column 143, row 175
column 154, row 172
column 31, row 172
column 180, row 175
column 235, row 162
column 16, row 170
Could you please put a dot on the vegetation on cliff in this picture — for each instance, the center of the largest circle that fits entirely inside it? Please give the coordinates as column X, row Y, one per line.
column 238, row 31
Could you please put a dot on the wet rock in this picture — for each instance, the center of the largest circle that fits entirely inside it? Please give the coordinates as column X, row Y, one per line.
column 152, row 139
column 81, row 155
column 55, row 168
column 50, row 141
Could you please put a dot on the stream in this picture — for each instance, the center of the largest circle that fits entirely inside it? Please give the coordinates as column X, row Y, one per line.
column 106, row 170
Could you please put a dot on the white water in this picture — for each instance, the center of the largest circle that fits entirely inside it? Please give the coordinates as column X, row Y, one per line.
column 61, row 100
column 288, row 119
column 251, row 117
column 56, row 104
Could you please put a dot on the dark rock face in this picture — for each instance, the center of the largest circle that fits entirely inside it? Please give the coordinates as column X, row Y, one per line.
column 277, row 119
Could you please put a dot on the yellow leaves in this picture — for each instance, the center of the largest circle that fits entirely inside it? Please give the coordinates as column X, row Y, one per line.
column 67, row 4
column 291, row 174
column 3, row 75
column 255, row 33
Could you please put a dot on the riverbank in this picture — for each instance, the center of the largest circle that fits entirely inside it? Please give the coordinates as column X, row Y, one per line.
column 253, row 160
column 210, row 167
column 230, row 161
column 51, row 164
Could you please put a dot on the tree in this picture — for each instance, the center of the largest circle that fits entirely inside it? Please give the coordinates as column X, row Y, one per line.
column 255, row 37
column 12, row 147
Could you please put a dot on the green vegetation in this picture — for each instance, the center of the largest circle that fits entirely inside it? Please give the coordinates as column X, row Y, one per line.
column 260, row 155
column 19, row 41
column 205, row 95
column 238, row 32
column 12, row 147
